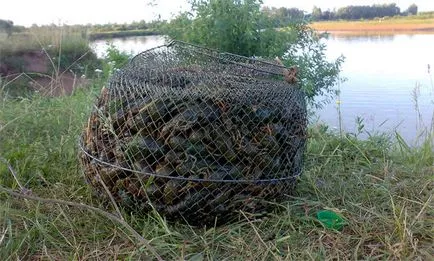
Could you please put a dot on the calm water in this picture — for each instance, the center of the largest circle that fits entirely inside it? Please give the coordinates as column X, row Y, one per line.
column 383, row 72
column 135, row 44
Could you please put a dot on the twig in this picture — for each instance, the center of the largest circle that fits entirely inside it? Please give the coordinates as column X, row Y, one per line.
column 24, row 193
column 425, row 205
column 98, row 177
column 14, row 174
column 46, row 54
column 259, row 236
column 103, row 213
column 16, row 76
column 3, row 235
column 76, row 61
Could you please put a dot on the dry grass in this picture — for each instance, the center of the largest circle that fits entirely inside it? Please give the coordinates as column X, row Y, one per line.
column 37, row 38
column 402, row 25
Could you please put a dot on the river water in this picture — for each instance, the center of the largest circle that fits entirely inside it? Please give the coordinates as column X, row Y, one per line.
column 389, row 81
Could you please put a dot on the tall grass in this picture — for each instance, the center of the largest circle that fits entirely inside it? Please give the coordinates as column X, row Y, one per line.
column 64, row 46
column 36, row 38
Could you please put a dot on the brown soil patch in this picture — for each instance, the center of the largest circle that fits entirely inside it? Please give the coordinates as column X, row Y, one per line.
column 37, row 68
column 35, row 62
column 64, row 84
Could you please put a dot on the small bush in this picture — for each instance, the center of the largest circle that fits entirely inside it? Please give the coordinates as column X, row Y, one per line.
column 240, row 27
column 114, row 59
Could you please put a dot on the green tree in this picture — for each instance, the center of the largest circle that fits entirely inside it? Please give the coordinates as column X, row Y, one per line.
column 412, row 9
column 240, row 27
column 227, row 25
column 316, row 13
column 283, row 16
column 7, row 26
column 367, row 12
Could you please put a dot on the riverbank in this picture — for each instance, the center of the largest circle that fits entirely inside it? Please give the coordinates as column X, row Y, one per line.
column 383, row 190
column 52, row 61
column 379, row 25
column 120, row 34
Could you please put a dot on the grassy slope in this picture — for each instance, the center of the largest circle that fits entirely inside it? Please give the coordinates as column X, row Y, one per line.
column 384, row 194
column 394, row 24
column 50, row 60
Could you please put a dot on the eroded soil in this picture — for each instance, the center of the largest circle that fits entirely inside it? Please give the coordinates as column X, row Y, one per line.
column 41, row 73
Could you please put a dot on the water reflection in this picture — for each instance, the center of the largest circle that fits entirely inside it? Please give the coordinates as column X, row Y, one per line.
column 134, row 45
column 375, row 35
column 384, row 76
column 356, row 38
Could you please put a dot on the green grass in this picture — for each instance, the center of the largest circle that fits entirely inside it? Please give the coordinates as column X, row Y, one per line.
column 383, row 189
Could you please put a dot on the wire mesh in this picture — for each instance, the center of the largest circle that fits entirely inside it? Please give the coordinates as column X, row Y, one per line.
column 196, row 134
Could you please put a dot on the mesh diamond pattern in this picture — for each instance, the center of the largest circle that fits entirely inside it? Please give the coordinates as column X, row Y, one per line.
column 196, row 134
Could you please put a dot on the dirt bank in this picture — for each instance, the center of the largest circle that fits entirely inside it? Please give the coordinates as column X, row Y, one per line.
column 39, row 73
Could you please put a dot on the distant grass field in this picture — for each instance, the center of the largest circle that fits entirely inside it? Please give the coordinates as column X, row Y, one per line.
column 393, row 24
column 383, row 189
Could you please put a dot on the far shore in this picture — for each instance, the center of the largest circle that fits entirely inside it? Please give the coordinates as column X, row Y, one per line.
column 383, row 26
column 120, row 34
column 379, row 25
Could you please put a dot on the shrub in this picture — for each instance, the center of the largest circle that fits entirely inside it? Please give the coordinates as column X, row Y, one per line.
column 241, row 27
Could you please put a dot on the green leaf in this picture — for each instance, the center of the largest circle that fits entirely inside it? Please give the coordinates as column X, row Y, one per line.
column 330, row 219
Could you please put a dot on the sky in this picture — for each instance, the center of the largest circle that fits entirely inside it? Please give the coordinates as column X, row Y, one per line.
column 28, row 12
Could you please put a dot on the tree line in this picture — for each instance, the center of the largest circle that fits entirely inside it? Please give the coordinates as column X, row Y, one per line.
column 283, row 16
column 277, row 17
column 356, row 12
column 6, row 26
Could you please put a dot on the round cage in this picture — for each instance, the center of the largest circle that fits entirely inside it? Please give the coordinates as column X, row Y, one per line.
column 195, row 134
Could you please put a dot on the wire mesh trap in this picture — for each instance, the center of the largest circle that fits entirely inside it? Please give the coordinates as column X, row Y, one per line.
column 196, row 135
